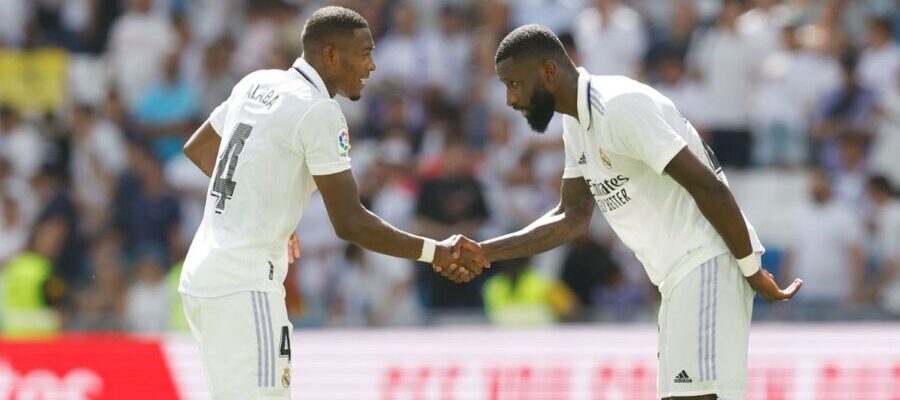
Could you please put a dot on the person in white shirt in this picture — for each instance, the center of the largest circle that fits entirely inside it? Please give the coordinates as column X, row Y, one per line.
column 884, row 221
column 611, row 38
column 138, row 44
column 762, row 25
column 726, row 62
column 791, row 83
column 828, row 249
column 628, row 149
column 556, row 14
column 21, row 144
column 275, row 140
column 879, row 62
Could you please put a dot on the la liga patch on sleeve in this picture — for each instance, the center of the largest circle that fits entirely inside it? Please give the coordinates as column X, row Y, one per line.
column 343, row 143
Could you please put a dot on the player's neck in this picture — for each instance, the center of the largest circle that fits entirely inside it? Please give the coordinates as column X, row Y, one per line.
column 317, row 65
column 567, row 92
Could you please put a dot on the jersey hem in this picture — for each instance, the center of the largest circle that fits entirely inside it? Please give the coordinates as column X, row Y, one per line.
column 663, row 161
column 230, row 292
column 684, row 268
column 329, row 169
column 570, row 173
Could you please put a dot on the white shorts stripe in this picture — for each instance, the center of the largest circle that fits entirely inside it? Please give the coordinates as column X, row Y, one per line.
column 268, row 327
column 256, row 321
column 715, row 313
column 701, row 344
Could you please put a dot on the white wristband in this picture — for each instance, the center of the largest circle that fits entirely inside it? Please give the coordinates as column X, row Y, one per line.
column 428, row 247
column 749, row 265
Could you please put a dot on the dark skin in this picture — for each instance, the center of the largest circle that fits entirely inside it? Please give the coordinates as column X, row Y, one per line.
column 344, row 61
column 572, row 215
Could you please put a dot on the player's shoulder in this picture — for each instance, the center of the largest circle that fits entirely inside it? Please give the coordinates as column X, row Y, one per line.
column 324, row 109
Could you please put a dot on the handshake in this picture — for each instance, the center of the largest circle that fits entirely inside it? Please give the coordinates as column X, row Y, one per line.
column 459, row 259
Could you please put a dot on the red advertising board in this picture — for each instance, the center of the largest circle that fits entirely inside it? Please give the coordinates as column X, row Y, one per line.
column 95, row 367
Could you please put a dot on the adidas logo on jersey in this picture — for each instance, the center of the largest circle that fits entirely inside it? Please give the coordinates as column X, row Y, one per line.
column 683, row 378
column 582, row 160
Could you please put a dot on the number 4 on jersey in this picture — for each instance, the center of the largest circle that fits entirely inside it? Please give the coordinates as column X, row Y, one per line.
column 223, row 184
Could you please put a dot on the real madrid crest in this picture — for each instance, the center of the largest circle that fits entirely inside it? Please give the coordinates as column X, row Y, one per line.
column 605, row 159
column 286, row 377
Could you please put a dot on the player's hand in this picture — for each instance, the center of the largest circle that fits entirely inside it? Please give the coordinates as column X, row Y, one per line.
column 293, row 248
column 459, row 259
column 764, row 284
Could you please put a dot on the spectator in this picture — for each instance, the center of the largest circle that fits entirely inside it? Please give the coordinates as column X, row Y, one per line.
column 674, row 39
column 555, row 14
column 57, row 203
column 762, row 25
column 96, row 160
column 138, row 45
column 886, row 143
column 451, row 203
column 31, row 290
column 848, row 109
column 13, row 18
column 168, row 110
column 216, row 77
column 675, row 84
column 101, row 301
column 884, row 243
column 13, row 228
column 879, row 62
column 148, row 301
column 259, row 39
column 610, row 38
column 403, row 57
column 828, row 253
column 20, row 144
column 517, row 295
column 146, row 210
column 450, row 46
column 851, row 175
column 377, row 290
column 725, row 62
column 791, row 82
column 587, row 269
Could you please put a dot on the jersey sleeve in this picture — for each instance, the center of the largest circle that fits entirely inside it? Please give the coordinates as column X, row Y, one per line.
column 323, row 138
column 571, row 169
column 639, row 130
column 217, row 117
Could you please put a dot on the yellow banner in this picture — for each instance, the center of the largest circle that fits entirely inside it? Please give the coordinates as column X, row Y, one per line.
column 33, row 80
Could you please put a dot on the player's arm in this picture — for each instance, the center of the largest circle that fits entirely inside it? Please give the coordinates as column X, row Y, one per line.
column 569, row 219
column 354, row 223
column 717, row 204
column 202, row 148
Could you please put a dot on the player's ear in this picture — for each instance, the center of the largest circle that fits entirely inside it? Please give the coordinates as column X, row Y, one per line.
column 548, row 71
column 329, row 55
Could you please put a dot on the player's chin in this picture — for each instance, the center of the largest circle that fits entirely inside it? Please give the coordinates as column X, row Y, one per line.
column 356, row 93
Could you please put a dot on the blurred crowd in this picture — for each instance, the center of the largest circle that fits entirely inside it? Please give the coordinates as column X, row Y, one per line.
column 799, row 99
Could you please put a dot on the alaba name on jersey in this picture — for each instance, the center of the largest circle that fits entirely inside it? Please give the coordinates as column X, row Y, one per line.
column 625, row 135
column 279, row 128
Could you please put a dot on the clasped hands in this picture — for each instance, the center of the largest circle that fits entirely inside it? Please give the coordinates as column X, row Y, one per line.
column 459, row 259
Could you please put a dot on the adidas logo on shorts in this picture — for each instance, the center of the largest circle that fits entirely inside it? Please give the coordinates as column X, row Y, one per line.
column 683, row 378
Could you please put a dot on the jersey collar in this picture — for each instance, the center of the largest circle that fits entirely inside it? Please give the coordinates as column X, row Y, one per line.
column 585, row 116
column 310, row 74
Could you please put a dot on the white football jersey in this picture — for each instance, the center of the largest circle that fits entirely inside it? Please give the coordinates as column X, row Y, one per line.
column 625, row 135
column 279, row 128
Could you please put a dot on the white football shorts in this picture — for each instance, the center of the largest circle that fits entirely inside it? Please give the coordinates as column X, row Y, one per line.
column 703, row 332
column 244, row 340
